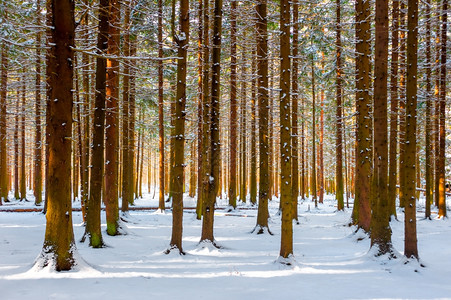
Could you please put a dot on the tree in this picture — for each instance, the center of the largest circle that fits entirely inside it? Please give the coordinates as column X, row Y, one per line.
column 339, row 115
column 263, row 105
column 93, row 229
column 179, row 140
column 233, row 106
column 161, row 204
column 410, row 231
column 3, row 124
column 380, row 226
column 286, row 198
column 294, row 112
column 214, row 179
column 112, row 122
column 392, row 171
column 59, row 246
column 361, row 213
column 442, row 118
column 37, row 176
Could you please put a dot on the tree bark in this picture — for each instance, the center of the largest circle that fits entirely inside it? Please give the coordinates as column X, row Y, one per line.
column 263, row 106
column 93, row 226
column 380, row 226
column 3, row 124
column 161, row 204
column 361, row 214
column 112, row 123
column 233, row 106
column 59, row 246
column 286, row 197
column 179, row 130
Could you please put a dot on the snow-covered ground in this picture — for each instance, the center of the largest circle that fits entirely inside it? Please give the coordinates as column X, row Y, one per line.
column 331, row 260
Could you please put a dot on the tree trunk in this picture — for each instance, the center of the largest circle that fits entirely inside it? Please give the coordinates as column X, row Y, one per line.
column 294, row 112
column 215, row 149
column 112, row 123
column 313, row 173
column 16, row 151
column 339, row 116
column 179, row 130
column 243, row 129
column 428, row 141
column 59, row 246
column 161, row 204
column 263, row 105
column 361, row 214
column 233, row 106
column 380, row 226
column 442, row 132
column 392, row 177
column 286, row 197
column 3, row 125
column 253, row 154
column 37, row 176
column 93, row 229
column 23, row 180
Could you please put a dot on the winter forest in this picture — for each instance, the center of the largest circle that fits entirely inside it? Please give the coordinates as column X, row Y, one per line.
column 226, row 149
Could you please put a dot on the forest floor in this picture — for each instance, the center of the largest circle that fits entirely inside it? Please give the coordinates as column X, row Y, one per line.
column 331, row 259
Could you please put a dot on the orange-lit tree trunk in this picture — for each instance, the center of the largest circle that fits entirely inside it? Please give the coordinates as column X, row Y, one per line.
column 321, row 139
column 402, row 100
column 380, row 226
column 179, row 139
column 59, row 246
column 243, row 135
column 442, row 114
column 127, row 192
column 286, row 197
column 16, row 151
column 112, row 123
column 392, row 171
column 215, row 158
column 361, row 214
column 93, row 229
column 200, row 109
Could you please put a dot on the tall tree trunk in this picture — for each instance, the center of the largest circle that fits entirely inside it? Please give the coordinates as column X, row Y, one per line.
column 16, row 150
column 233, row 106
column 23, row 180
column 294, row 112
column 392, row 177
column 321, row 138
column 428, row 140
column 410, row 224
column 442, row 132
column 313, row 173
column 112, row 123
column 161, row 205
column 339, row 115
column 243, row 117
column 37, row 176
column 380, row 226
column 127, row 193
column 205, row 111
column 402, row 101
column 263, row 106
column 179, row 140
column 215, row 149
column 286, row 199
column 436, row 123
column 3, row 124
column 59, row 246
column 361, row 213
column 253, row 154
column 200, row 109
column 93, row 229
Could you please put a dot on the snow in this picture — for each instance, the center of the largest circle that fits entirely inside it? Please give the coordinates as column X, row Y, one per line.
column 331, row 260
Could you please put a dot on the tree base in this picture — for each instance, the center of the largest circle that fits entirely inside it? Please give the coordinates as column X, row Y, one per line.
column 258, row 229
column 174, row 249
